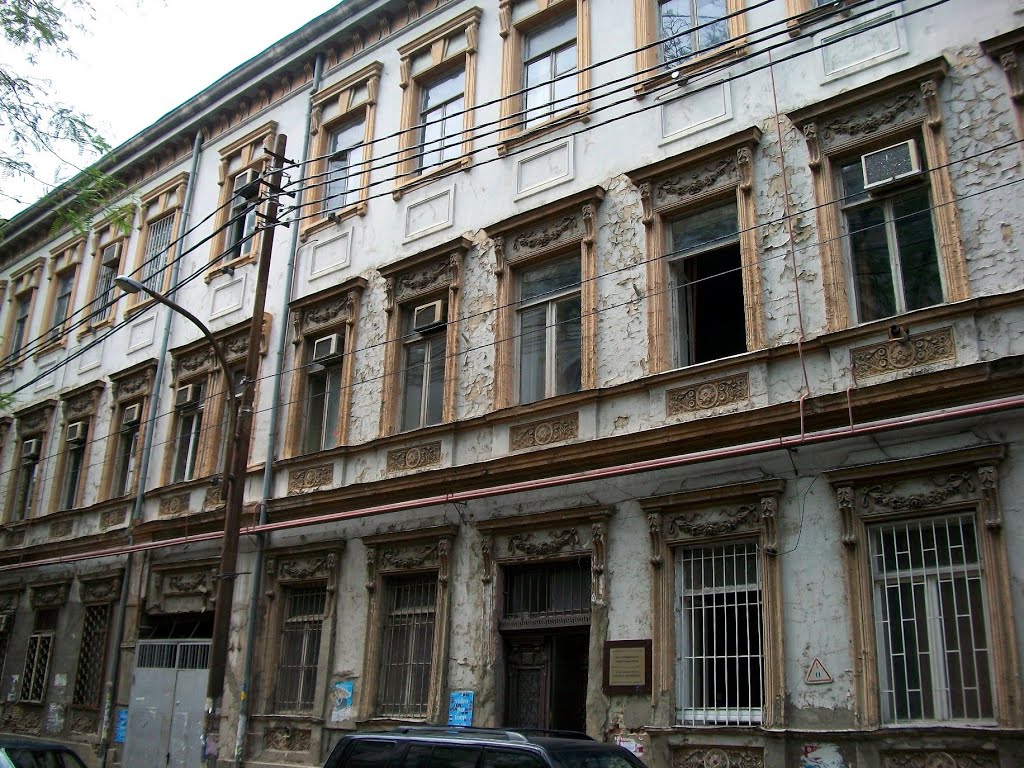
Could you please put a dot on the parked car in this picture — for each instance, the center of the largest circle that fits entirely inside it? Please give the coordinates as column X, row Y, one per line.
column 26, row 753
column 452, row 747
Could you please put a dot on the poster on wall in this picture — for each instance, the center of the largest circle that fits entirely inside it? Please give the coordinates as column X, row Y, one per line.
column 120, row 725
column 460, row 708
column 343, row 694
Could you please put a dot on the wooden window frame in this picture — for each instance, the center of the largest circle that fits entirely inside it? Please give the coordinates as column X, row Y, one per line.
column 312, row 317
column 128, row 387
column 436, row 45
column 921, row 488
column 689, row 182
column 650, row 74
column 168, row 199
column 435, row 273
column 513, row 31
column 250, row 153
column 32, row 423
column 64, row 263
column 332, row 107
column 80, row 404
column 868, row 118
column 45, row 596
column 721, row 514
column 104, row 235
column 24, row 282
column 565, row 226
column 406, row 553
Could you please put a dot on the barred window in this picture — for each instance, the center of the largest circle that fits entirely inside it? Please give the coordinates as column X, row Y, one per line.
column 934, row 658
column 300, row 647
column 37, row 656
column 91, row 655
column 720, row 658
column 547, row 594
column 407, row 648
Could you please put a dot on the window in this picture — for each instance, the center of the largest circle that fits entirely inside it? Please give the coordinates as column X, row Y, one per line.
column 110, row 244
column 237, row 237
column 76, row 436
column 705, row 293
column 127, row 427
column 25, row 490
column 888, row 222
column 37, row 656
column 92, row 654
column 934, row 650
column 300, row 647
column 161, row 213
column 439, row 81
column 63, row 272
column 690, row 26
column 546, row 334
column 126, row 452
column 545, row 59
column 423, row 366
column 321, row 391
column 549, row 330
column 61, row 305
column 893, row 260
column 705, row 273
column 190, row 402
column 720, row 634
column 549, row 56
column 341, row 185
column 407, row 646
column 25, row 485
column 17, row 328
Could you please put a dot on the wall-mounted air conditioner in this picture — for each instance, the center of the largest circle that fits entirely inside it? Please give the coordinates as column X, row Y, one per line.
column 326, row 347
column 890, row 164
column 186, row 395
column 428, row 316
column 30, row 449
column 76, row 432
column 131, row 414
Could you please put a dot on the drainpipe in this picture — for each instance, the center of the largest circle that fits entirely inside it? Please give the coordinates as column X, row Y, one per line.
column 268, row 466
column 113, row 663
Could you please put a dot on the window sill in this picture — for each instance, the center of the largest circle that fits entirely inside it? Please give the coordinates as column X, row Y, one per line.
column 50, row 347
column 579, row 113
column 90, row 328
column 809, row 18
column 228, row 268
column 138, row 307
column 735, row 49
column 413, row 182
column 336, row 217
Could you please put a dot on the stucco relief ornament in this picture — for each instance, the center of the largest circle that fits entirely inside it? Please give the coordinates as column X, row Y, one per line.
column 187, row 582
column 545, row 236
column 426, row 278
column 646, row 203
column 957, row 484
column 529, row 544
column 395, row 558
column 307, row 567
column 696, row 182
column 654, row 530
column 884, row 114
column 132, row 385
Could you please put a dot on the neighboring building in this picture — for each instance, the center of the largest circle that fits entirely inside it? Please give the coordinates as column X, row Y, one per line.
column 692, row 367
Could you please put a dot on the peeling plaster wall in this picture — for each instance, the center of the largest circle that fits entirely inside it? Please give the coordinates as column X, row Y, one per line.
column 475, row 377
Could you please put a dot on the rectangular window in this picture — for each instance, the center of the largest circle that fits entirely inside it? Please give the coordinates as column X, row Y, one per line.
column 74, row 463
column 158, row 244
column 24, row 489
column 323, row 396
column 19, row 331
column 300, row 647
column 126, row 451
column 706, row 281
column 548, row 315
column 189, row 431
column 61, row 304
column 720, row 657
column 549, row 59
column 551, row 591
column 687, row 27
column 104, row 296
column 891, row 242
column 441, row 120
column 91, row 656
column 344, row 166
column 37, row 656
column 407, row 648
column 422, row 373
column 241, row 215
column 933, row 643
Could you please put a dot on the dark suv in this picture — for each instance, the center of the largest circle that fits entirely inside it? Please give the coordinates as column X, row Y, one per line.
column 441, row 747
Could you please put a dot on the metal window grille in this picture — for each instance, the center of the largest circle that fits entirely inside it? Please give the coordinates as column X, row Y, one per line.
column 408, row 644
column 158, row 244
column 933, row 645
column 173, row 654
column 553, row 594
column 37, row 656
column 103, row 301
column 91, row 654
column 720, row 660
column 300, row 647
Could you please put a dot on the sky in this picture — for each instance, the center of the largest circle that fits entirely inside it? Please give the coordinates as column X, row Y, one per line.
column 138, row 59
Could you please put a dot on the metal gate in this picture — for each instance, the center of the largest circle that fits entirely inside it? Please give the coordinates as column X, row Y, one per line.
column 165, row 713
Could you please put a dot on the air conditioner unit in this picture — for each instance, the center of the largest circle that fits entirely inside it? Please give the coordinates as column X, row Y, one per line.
column 890, row 164
column 76, row 432
column 186, row 395
column 131, row 414
column 247, row 184
column 428, row 316
column 30, row 449
column 327, row 346
column 111, row 256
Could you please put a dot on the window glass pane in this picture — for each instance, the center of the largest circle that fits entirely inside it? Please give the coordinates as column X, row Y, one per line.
column 915, row 238
column 872, row 270
column 158, row 243
column 674, row 17
column 371, row 754
column 549, row 278
column 497, row 758
column 567, row 345
column 443, row 90
column 435, row 380
column 407, row 646
column 415, row 356
column 532, row 346
column 454, row 757
column 707, row 228
column 550, row 37
column 711, row 32
column 344, row 166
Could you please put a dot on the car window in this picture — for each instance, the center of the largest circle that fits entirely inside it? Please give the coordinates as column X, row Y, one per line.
column 454, row 757
column 595, row 758
column 367, row 754
column 511, row 758
column 32, row 758
column 417, row 756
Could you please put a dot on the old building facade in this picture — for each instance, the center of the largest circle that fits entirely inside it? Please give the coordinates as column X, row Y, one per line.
column 650, row 369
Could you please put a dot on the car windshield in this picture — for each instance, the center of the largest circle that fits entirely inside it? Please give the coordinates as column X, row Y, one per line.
column 594, row 758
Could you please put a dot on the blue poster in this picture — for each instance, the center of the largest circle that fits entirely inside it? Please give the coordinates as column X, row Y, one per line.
column 460, row 708
column 120, row 725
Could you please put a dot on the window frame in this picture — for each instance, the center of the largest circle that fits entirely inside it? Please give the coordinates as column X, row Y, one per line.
column 80, row 404
column 167, row 199
column 314, row 316
column 81, row 698
column 32, row 665
column 517, row 19
column 688, row 183
column 63, row 268
column 32, row 423
column 352, row 98
column 867, row 118
column 433, row 274
column 21, row 289
column 106, row 235
column 567, row 226
column 129, row 387
column 435, row 47
column 714, row 516
column 44, row 596
column 422, row 552
column 968, row 483
column 650, row 68
column 286, row 593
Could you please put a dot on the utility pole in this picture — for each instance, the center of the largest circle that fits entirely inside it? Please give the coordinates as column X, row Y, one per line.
column 240, row 454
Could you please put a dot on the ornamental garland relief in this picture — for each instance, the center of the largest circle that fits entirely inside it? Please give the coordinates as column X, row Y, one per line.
column 301, row 569
column 710, row 394
column 433, row 276
column 720, row 172
column 403, row 558
column 538, row 433
column 414, row 457
column 713, row 522
column 901, row 354
column 549, row 543
column 869, row 118
column 131, row 386
column 887, row 497
column 174, row 505
column 49, row 595
column 287, row 739
column 568, row 227
column 112, row 517
column 310, row 479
